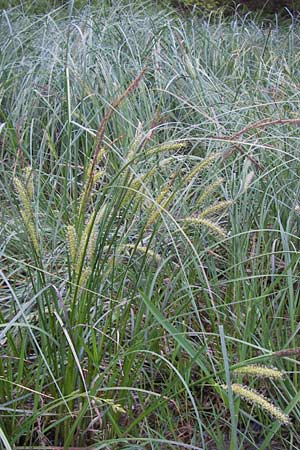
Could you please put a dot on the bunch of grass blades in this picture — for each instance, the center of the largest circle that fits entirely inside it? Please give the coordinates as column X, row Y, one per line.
column 100, row 227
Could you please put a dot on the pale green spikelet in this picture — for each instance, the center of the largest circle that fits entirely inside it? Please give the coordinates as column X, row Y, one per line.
column 23, row 197
column 84, row 277
column 29, row 181
column 94, row 233
column 26, row 213
column 214, row 228
column 247, row 181
column 260, row 371
column 98, row 175
column 255, row 398
column 72, row 243
column 205, row 162
column 210, row 210
column 190, row 68
column 83, row 242
column 147, row 251
column 116, row 407
column 149, row 174
column 30, row 228
column 209, row 190
column 167, row 201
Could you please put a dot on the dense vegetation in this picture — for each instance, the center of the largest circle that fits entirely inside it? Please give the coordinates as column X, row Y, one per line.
column 149, row 188
column 268, row 6
column 202, row 6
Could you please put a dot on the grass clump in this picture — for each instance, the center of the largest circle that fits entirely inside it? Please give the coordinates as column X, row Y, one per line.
column 149, row 198
column 45, row 6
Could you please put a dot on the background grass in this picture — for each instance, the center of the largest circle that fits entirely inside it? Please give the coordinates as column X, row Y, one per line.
column 116, row 340
column 43, row 6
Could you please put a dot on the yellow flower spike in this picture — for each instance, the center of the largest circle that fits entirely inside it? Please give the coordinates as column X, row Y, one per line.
column 98, row 175
column 26, row 213
column 215, row 208
column 84, row 241
column 260, row 371
column 30, row 228
column 94, row 233
column 83, row 277
column 23, row 197
column 215, row 229
column 256, row 399
column 29, row 181
column 72, row 243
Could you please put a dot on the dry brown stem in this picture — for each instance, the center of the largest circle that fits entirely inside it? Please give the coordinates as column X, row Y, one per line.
column 254, row 126
column 102, row 125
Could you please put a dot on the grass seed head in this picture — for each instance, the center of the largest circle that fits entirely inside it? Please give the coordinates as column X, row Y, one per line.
column 209, row 190
column 256, row 399
column 26, row 213
column 260, row 371
column 72, row 243
column 213, row 209
column 214, row 228
column 29, row 181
